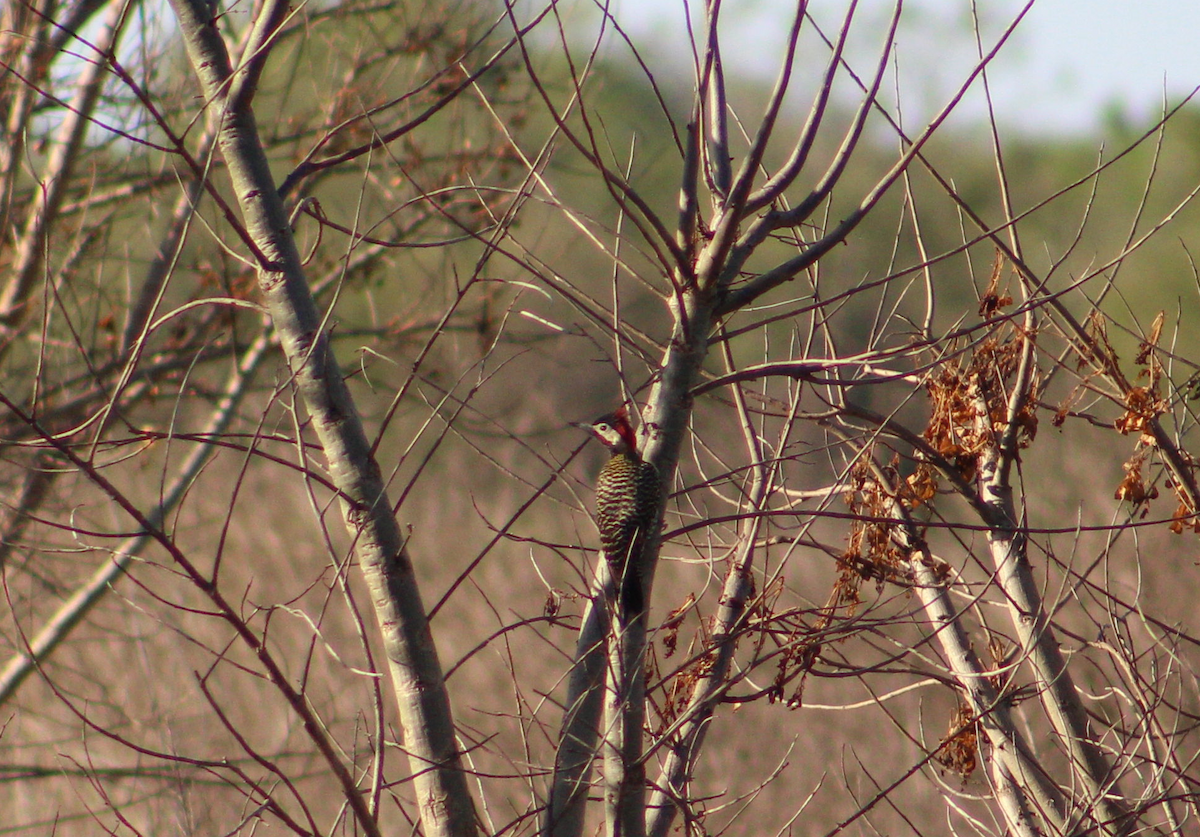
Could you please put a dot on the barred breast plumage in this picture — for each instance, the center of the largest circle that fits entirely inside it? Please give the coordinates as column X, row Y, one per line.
column 626, row 501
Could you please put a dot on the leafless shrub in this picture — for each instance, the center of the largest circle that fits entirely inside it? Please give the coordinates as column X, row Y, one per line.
column 288, row 354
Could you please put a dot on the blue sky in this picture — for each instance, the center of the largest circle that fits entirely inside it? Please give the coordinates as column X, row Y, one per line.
column 1077, row 57
column 1069, row 63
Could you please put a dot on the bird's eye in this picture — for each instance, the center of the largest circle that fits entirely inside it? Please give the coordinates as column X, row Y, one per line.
column 602, row 426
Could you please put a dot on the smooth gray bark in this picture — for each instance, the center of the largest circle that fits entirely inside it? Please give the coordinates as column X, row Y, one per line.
column 446, row 807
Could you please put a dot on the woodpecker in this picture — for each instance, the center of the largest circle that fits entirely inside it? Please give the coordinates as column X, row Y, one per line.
column 626, row 497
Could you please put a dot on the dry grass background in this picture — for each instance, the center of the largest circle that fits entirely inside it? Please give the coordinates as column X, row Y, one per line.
column 134, row 723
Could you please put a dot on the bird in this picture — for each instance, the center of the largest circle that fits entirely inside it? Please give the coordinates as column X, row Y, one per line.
column 626, row 501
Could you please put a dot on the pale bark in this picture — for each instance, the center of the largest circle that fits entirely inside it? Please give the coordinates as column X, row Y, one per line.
column 77, row 606
column 31, row 246
column 1031, row 622
column 446, row 807
column 578, row 740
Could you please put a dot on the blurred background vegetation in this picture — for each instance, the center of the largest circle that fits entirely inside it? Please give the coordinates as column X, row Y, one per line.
column 472, row 433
